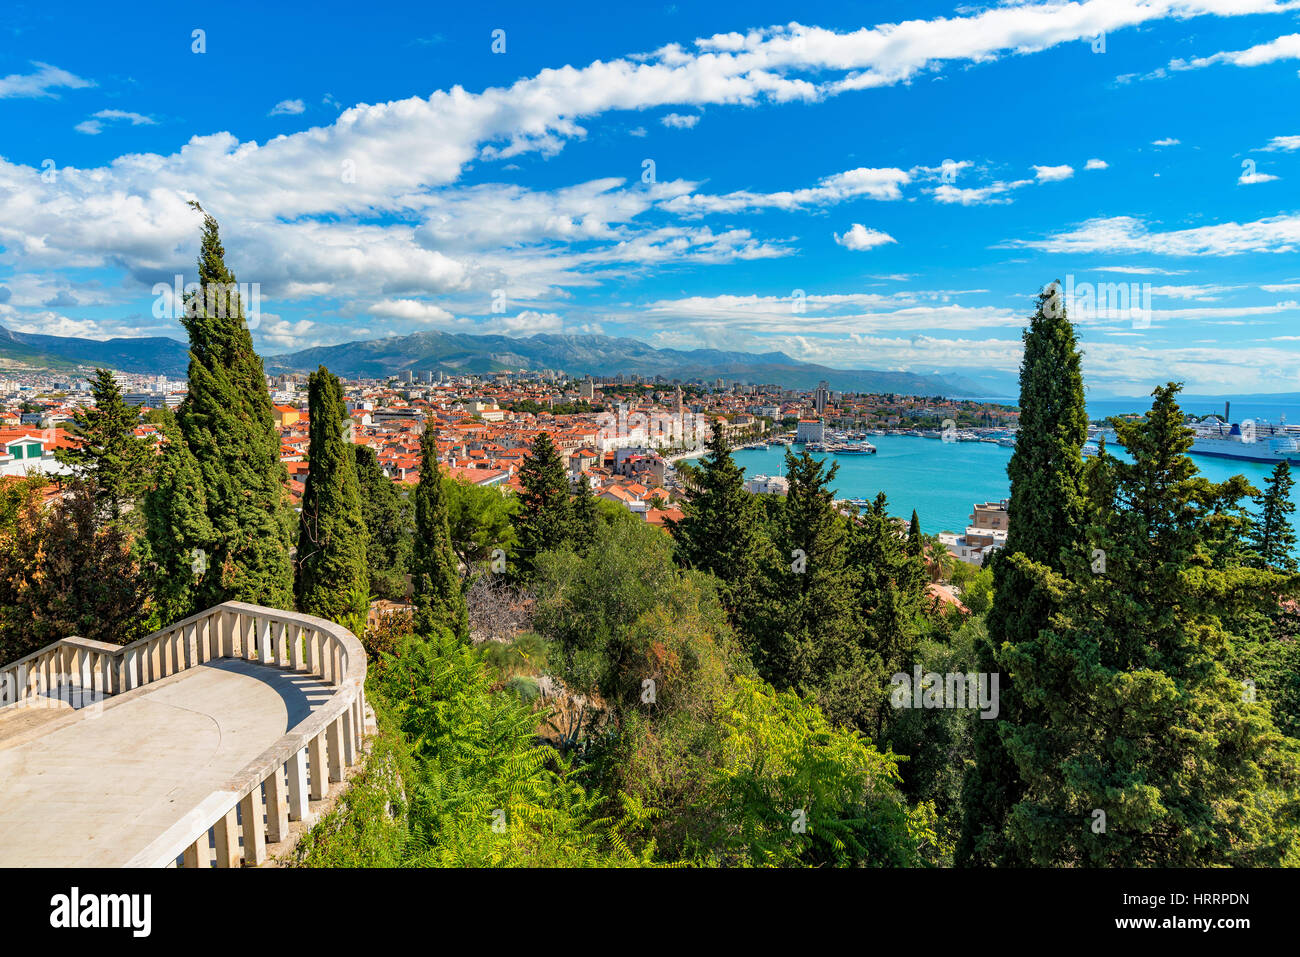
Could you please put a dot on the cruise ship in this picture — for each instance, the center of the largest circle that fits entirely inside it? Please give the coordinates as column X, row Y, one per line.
column 1251, row 441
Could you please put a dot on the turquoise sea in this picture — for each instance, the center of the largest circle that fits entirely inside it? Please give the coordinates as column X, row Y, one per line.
column 941, row 480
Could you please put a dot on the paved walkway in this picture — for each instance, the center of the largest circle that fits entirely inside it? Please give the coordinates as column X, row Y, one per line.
column 93, row 787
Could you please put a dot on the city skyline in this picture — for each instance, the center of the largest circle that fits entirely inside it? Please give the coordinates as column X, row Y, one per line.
column 850, row 193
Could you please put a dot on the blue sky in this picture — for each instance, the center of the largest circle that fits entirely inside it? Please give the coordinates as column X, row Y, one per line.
column 865, row 185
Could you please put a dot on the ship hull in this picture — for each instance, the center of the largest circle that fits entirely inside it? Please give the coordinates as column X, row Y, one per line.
column 1242, row 457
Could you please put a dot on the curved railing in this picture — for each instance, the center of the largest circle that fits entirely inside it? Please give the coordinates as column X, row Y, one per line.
column 279, row 782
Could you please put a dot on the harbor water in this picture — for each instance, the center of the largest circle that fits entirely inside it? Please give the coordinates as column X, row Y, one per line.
column 941, row 480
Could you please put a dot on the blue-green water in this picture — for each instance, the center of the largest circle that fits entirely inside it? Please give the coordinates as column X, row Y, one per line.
column 941, row 480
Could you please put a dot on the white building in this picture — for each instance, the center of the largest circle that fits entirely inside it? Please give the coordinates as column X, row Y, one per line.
column 768, row 485
column 26, row 452
column 811, row 430
column 987, row 534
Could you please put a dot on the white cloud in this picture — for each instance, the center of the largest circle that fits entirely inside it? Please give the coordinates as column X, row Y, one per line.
column 680, row 122
column 1284, row 143
column 1096, row 164
column 288, row 108
column 41, row 83
column 1053, row 174
column 860, row 238
column 1250, row 176
column 1142, row 270
column 1203, row 292
column 1123, row 234
column 833, row 316
column 528, row 321
column 1282, row 48
column 350, row 209
column 279, row 332
column 95, row 125
column 1167, row 141
column 411, row 310
column 992, row 194
column 882, row 184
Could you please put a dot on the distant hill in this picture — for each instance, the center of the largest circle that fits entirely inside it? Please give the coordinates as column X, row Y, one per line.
column 596, row 356
column 459, row 353
column 156, row 354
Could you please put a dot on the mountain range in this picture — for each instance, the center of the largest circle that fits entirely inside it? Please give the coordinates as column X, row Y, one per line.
column 156, row 354
column 461, row 353
column 597, row 356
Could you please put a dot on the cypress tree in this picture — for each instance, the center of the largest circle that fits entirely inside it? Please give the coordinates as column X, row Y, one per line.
column 110, row 453
column 544, row 520
column 228, row 425
column 1044, row 512
column 1272, row 537
column 1127, row 708
column 915, row 540
column 387, row 515
column 439, row 601
column 332, row 536
column 585, row 520
column 177, row 530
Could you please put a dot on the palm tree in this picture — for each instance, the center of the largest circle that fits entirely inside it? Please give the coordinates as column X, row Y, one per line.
column 939, row 562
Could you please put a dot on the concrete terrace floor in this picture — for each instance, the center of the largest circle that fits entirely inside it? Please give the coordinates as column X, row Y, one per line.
column 92, row 787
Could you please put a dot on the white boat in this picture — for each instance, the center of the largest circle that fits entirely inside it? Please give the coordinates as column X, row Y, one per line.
column 1250, row 441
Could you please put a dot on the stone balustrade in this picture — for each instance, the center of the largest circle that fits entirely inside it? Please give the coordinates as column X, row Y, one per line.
column 258, row 802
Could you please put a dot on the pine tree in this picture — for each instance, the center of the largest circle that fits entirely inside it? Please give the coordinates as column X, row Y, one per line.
column 720, row 529
column 228, row 424
column 1044, row 513
column 439, row 600
column 889, row 587
column 177, row 530
column 1127, row 706
column 389, row 518
column 109, row 452
column 813, row 643
column 1272, row 536
column 332, row 536
column 544, row 520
